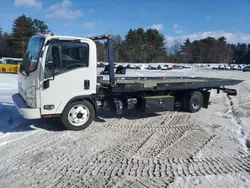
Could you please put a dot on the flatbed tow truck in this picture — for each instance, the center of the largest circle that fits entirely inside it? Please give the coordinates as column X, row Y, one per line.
column 58, row 78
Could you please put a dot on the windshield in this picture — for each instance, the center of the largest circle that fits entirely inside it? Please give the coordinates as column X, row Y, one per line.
column 32, row 54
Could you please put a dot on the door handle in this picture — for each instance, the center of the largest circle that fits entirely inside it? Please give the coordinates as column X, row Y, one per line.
column 86, row 84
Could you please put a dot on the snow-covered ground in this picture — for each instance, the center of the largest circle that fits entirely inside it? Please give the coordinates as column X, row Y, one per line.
column 171, row 149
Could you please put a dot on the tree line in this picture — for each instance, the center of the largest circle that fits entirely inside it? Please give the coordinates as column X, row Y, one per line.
column 13, row 44
column 210, row 50
column 138, row 46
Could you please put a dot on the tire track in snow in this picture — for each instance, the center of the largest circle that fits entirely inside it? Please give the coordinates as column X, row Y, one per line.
column 168, row 122
column 126, row 161
column 238, row 122
column 144, row 172
column 188, row 145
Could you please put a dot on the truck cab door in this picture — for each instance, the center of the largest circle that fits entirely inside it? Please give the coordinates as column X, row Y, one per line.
column 69, row 72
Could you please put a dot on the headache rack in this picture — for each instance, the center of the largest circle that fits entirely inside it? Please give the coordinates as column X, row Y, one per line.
column 109, row 40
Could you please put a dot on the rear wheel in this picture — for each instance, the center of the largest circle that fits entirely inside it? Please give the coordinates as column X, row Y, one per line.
column 78, row 115
column 194, row 101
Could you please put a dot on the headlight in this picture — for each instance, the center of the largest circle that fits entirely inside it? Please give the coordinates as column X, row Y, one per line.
column 31, row 97
column 31, row 92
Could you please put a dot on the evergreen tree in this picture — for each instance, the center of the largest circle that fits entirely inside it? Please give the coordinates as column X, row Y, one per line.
column 6, row 46
column 1, row 32
column 247, row 56
column 117, row 42
column 155, row 46
column 40, row 27
column 187, row 51
column 240, row 52
column 22, row 30
column 143, row 46
column 207, row 50
column 224, row 51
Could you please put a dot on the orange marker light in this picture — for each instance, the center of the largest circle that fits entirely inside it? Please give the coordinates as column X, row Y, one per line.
column 47, row 116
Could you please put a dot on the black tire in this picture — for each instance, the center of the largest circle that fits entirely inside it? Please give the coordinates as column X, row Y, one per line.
column 66, row 122
column 194, row 101
column 123, row 71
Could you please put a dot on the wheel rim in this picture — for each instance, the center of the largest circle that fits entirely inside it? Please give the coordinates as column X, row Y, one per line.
column 78, row 115
column 195, row 101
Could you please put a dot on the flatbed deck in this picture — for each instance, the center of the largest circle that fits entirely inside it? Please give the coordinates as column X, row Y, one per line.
column 166, row 83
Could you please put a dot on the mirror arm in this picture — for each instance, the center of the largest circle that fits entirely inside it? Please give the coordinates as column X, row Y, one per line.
column 60, row 54
column 53, row 76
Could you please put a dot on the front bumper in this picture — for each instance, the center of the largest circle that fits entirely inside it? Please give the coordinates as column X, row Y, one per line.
column 24, row 110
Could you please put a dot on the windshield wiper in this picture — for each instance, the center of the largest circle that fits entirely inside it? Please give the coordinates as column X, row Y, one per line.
column 25, row 65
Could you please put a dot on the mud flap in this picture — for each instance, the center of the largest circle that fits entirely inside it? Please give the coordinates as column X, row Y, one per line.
column 206, row 96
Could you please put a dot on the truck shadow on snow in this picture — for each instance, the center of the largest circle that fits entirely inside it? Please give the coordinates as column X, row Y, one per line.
column 106, row 114
column 12, row 121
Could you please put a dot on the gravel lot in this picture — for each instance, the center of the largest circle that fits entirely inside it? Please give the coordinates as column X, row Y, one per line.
column 170, row 149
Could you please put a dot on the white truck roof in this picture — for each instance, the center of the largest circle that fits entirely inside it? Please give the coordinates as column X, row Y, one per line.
column 62, row 37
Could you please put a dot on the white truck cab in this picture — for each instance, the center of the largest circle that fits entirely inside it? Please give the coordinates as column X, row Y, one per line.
column 55, row 71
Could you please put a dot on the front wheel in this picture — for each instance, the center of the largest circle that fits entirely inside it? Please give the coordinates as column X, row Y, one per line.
column 78, row 115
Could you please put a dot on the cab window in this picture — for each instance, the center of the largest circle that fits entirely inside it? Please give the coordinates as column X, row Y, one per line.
column 75, row 55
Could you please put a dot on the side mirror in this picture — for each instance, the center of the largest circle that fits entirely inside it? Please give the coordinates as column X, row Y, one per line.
column 46, row 84
column 57, row 63
column 57, row 56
